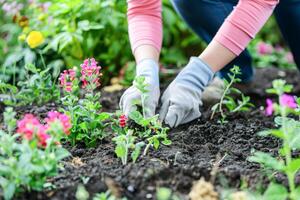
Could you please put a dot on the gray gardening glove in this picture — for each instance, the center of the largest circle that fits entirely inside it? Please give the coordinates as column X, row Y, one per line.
column 150, row 70
column 182, row 100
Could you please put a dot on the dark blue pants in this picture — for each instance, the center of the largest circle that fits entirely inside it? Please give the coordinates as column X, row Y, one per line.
column 206, row 16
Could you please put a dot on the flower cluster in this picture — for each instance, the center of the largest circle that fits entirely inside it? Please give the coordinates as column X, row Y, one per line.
column 90, row 73
column 285, row 100
column 264, row 48
column 67, row 79
column 31, row 128
column 62, row 119
column 122, row 121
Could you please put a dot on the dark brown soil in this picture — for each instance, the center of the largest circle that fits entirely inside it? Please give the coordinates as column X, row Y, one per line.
column 196, row 147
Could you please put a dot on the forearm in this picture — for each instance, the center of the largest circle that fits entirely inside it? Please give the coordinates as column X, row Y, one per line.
column 237, row 31
column 145, row 52
column 145, row 28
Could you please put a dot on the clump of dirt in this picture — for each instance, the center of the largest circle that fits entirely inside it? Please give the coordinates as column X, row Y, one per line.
column 203, row 190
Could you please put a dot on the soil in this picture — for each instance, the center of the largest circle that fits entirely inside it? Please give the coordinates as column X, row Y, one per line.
column 196, row 148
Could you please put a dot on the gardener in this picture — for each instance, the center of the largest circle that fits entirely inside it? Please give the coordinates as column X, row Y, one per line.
column 227, row 40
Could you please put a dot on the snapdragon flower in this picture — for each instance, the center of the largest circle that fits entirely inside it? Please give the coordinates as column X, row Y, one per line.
column 122, row 121
column 67, row 79
column 90, row 74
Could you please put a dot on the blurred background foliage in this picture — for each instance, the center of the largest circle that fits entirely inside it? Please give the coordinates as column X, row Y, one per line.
column 77, row 29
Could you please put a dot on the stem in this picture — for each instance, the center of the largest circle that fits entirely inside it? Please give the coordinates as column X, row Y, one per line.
column 14, row 75
column 146, row 149
column 143, row 105
column 288, row 156
column 43, row 61
column 223, row 96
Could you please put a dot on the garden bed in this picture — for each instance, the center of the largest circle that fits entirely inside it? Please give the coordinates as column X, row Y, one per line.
column 196, row 148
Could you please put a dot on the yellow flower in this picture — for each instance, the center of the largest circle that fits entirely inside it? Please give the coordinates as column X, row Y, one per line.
column 35, row 39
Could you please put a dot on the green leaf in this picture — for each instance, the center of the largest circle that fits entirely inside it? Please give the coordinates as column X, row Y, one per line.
column 293, row 166
column 274, row 132
column 103, row 116
column 166, row 142
column 275, row 192
column 267, row 160
column 296, row 194
column 9, row 190
column 137, row 150
column 61, row 153
column 120, row 150
column 156, row 143
column 84, row 126
column 136, row 116
column 215, row 107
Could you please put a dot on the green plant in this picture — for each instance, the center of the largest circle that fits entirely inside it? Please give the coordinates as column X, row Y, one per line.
column 30, row 157
column 152, row 129
column 88, row 122
column 288, row 132
column 125, row 143
column 39, row 87
column 228, row 101
column 9, row 119
column 163, row 193
column 147, row 131
column 8, row 93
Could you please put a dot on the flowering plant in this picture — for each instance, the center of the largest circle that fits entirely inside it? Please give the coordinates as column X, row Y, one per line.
column 27, row 163
column 265, row 54
column 88, row 120
column 287, row 131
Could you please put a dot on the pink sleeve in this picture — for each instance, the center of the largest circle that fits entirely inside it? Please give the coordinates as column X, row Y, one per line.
column 145, row 23
column 243, row 23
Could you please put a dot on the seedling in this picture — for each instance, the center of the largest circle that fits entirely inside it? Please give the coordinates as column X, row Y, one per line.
column 153, row 131
column 287, row 131
column 228, row 101
column 125, row 143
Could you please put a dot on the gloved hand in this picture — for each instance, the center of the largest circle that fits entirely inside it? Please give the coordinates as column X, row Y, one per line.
column 150, row 70
column 182, row 99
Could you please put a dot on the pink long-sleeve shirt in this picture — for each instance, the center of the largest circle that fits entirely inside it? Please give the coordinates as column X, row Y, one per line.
column 247, row 18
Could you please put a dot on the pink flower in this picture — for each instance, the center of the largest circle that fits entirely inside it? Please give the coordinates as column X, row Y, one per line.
column 122, row 121
column 42, row 136
column 28, row 126
column 264, row 48
column 269, row 109
column 90, row 73
column 56, row 117
column 66, row 79
column 288, row 101
column 289, row 57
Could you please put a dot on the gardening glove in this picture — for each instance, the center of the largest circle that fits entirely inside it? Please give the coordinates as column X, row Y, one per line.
column 182, row 99
column 213, row 92
column 150, row 70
